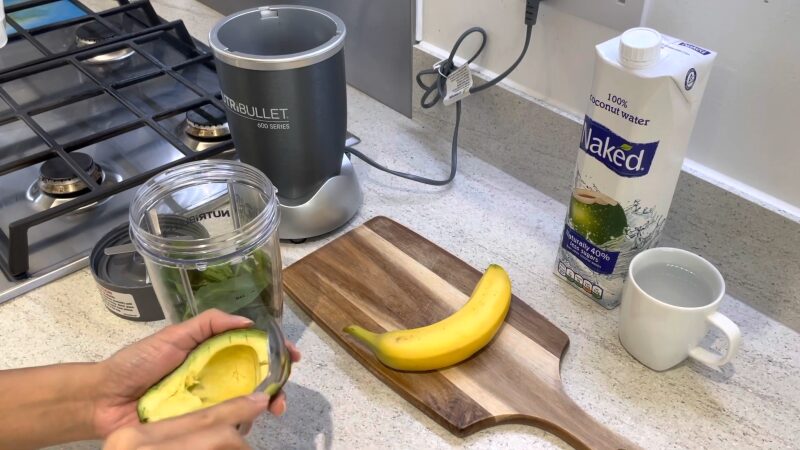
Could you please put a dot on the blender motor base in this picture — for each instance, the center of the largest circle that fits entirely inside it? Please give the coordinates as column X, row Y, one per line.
column 335, row 203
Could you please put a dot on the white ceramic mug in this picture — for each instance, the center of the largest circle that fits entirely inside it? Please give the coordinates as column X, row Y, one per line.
column 669, row 300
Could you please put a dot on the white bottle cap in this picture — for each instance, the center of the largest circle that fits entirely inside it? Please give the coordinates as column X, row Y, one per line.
column 639, row 47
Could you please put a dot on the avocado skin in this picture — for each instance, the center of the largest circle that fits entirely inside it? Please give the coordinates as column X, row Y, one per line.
column 199, row 356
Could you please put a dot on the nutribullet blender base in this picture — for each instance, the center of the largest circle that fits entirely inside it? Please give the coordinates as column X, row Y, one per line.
column 336, row 202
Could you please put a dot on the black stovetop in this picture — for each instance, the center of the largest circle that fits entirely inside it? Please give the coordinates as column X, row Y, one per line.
column 115, row 86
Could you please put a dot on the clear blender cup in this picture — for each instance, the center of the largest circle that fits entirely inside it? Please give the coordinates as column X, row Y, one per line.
column 208, row 233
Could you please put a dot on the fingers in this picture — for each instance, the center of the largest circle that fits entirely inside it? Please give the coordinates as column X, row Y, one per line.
column 125, row 438
column 277, row 407
column 219, row 437
column 188, row 335
column 294, row 353
column 277, row 404
column 214, row 428
column 231, row 413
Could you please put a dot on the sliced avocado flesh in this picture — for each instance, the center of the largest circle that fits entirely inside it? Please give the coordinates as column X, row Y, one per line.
column 225, row 366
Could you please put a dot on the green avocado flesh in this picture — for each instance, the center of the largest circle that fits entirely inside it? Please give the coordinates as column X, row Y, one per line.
column 225, row 366
column 596, row 216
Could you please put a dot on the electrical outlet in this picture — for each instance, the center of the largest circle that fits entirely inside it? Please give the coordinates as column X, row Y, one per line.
column 617, row 14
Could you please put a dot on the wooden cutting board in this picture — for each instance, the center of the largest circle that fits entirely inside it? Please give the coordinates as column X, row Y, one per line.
column 384, row 276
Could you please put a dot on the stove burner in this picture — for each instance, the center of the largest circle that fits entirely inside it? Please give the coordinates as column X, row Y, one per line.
column 43, row 202
column 207, row 124
column 95, row 33
column 58, row 180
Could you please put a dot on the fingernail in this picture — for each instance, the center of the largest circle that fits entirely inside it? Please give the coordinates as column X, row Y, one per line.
column 259, row 398
column 244, row 321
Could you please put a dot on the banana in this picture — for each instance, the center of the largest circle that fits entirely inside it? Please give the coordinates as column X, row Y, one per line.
column 450, row 340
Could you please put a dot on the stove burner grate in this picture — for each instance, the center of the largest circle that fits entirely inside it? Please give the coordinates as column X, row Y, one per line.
column 100, row 38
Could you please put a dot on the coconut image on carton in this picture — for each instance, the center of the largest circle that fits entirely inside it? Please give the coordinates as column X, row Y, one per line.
column 596, row 216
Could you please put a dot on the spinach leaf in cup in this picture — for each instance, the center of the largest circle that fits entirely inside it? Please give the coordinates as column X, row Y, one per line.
column 244, row 287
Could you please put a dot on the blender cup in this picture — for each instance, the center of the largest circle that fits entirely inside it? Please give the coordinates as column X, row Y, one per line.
column 208, row 233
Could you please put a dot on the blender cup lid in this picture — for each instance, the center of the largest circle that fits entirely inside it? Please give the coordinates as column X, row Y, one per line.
column 123, row 269
column 279, row 37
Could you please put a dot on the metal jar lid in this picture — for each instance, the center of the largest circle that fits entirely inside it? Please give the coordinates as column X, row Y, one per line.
column 279, row 37
column 122, row 278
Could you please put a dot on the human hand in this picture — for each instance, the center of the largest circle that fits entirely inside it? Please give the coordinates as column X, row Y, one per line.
column 211, row 428
column 127, row 375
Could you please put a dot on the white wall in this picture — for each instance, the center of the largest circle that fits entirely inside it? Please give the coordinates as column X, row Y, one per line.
column 743, row 137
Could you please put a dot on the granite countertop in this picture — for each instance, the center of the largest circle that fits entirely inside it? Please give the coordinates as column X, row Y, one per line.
column 485, row 216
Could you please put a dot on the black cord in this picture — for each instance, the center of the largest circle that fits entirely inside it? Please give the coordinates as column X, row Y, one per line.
column 417, row 178
column 497, row 79
column 446, row 67
column 437, row 89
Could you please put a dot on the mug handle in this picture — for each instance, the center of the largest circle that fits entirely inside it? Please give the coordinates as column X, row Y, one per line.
column 731, row 331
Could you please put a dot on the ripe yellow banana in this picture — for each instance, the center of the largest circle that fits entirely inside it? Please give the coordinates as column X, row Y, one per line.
column 450, row 340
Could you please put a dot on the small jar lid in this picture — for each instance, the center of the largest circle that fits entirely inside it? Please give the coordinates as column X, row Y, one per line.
column 121, row 277
column 639, row 47
column 125, row 269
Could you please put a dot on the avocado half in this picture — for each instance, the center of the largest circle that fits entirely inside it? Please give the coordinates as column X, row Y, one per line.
column 225, row 366
column 596, row 216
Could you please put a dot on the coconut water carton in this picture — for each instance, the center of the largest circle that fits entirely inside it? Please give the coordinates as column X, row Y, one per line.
column 645, row 95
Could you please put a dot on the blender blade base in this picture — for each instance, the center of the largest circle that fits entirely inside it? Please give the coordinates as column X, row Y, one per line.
column 336, row 202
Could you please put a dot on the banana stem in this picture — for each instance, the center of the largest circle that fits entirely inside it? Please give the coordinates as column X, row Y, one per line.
column 369, row 338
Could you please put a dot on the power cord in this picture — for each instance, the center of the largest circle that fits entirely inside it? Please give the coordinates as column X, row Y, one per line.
column 437, row 89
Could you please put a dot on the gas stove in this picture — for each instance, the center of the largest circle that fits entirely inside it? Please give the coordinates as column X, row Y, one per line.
column 91, row 106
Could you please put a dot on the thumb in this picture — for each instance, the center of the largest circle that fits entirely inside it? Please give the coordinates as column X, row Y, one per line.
column 232, row 412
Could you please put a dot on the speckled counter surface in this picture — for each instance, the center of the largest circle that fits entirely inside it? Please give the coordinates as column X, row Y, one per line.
column 485, row 216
